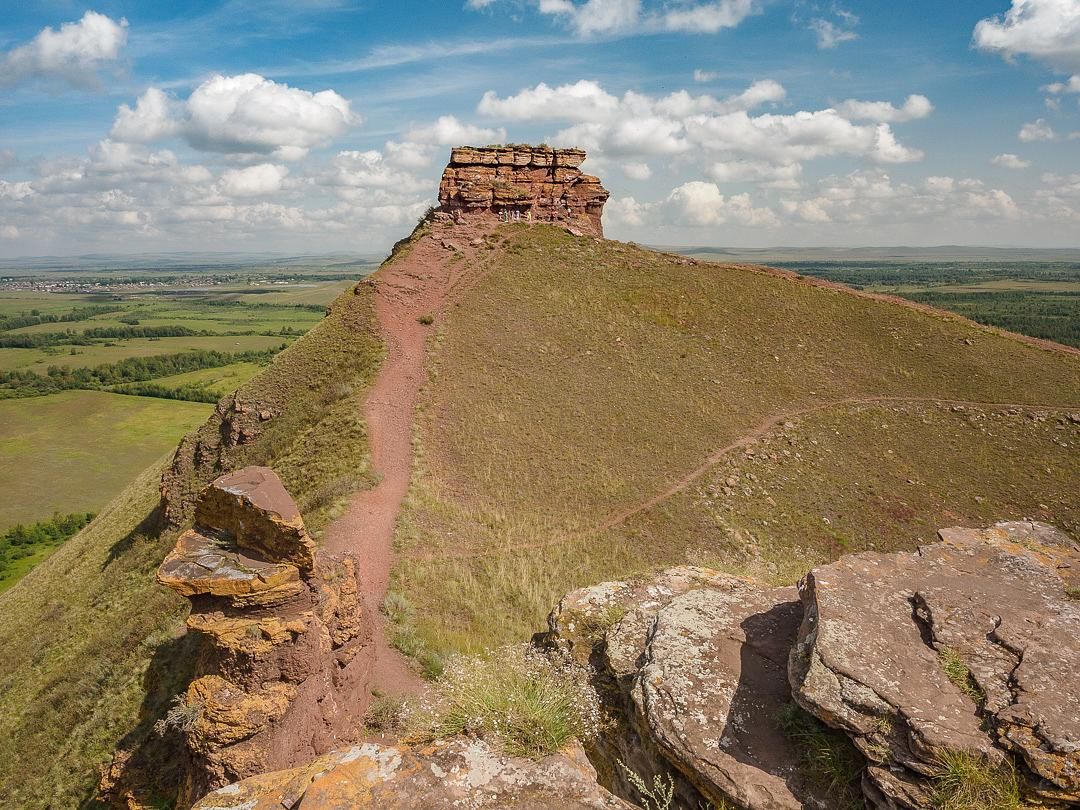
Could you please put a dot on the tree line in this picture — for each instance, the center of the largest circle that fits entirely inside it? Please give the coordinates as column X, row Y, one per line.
column 22, row 541
column 33, row 318
column 23, row 383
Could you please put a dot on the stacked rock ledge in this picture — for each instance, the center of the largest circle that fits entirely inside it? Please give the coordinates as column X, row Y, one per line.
column 280, row 677
column 529, row 184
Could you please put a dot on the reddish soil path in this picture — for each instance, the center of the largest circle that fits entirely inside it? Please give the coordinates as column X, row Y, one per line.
column 406, row 289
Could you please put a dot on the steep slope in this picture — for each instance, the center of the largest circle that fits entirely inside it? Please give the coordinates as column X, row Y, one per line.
column 91, row 648
column 596, row 409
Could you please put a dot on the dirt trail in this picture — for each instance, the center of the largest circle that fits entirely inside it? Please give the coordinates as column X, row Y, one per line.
column 745, row 440
column 406, row 289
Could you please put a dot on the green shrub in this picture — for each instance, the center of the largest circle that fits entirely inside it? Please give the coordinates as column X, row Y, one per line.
column 520, row 700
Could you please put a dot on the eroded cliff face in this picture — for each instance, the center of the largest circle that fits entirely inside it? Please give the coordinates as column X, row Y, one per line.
column 522, row 184
column 282, row 674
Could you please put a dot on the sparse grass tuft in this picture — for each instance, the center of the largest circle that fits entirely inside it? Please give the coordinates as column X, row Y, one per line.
column 828, row 758
column 957, row 671
column 965, row 781
column 387, row 714
column 522, row 701
column 1072, row 592
column 427, row 319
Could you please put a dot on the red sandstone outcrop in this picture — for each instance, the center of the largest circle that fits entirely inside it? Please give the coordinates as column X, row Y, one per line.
column 522, row 184
column 282, row 676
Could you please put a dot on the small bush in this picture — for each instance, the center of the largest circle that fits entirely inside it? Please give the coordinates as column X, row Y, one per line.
column 427, row 319
column 387, row 714
column 957, row 672
column 965, row 781
column 180, row 717
column 1072, row 592
column 520, row 700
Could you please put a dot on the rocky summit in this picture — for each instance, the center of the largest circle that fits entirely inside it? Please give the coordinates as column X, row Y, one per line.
column 966, row 648
column 522, row 184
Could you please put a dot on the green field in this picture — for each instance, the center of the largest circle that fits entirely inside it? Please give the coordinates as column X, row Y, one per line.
column 223, row 380
column 39, row 360
column 74, row 451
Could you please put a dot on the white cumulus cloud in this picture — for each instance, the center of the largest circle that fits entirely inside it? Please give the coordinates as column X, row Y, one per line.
column 1047, row 30
column 1037, row 130
column 701, row 203
column 914, row 107
column 449, row 131
column 1010, row 161
column 245, row 114
column 73, row 54
column 253, row 181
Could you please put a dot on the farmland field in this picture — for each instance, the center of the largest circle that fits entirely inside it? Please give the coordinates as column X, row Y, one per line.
column 102, row 370
column 73, row 451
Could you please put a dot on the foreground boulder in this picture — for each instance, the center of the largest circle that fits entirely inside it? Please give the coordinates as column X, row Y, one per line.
column 522, row 184
column 968, row 645
column 461, row 772
column 692, row 667
column 282, row 675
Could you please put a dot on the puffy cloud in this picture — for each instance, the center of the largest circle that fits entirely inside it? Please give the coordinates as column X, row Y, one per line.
column 1037, row 130
column 626, row 211
column 701, row 203
column 582, row 101
column 831, row 33
column 595, row 16
column 1010, row 161
column 772, row 175
column 74, row 54
column 1047, row 30
column 253, row 181
column 449, row 131
column 245, row 114
column 637, row 171
column 915, row 107
column 707, row 18
column 870, row 197
column 1071, row 85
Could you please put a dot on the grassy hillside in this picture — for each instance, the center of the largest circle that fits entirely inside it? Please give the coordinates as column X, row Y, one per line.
column 90, row 646
column 575, row 381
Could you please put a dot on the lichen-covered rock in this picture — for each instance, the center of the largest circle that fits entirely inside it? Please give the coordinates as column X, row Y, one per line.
column 889, row 642
column 522, row 184
column 456, row 773
column 280, row 677
column 692, row 668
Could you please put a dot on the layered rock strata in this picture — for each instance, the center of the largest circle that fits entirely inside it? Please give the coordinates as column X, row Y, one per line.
column 522, row 184
column 282, row 674
column 456, row 773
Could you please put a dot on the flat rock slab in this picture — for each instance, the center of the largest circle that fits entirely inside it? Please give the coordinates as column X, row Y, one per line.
column 252, row 508
column 710, row 690
column 879, row 627
column 457, row 773
column 199, row 565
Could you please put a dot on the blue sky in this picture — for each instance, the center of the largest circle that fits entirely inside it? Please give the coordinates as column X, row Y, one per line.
column 317, row 125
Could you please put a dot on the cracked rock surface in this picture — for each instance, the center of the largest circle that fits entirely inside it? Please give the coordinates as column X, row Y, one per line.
column 882, row 633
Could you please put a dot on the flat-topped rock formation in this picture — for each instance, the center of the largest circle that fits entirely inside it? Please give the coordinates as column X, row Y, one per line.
column 280, row 677
column 522, row 184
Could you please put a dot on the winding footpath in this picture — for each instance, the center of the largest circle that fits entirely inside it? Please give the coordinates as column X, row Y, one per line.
column 411, row 286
